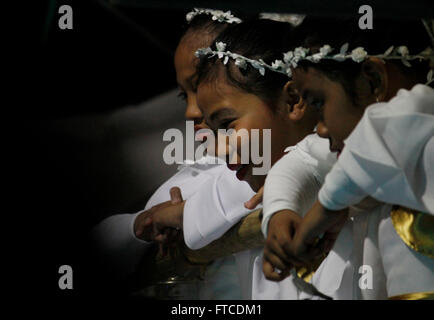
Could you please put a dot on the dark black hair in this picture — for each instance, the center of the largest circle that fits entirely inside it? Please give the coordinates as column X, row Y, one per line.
column 254, row 39
column 316, row 32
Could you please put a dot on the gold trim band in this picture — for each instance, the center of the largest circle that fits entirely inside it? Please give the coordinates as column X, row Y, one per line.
column 414, row 296
column 416, row 229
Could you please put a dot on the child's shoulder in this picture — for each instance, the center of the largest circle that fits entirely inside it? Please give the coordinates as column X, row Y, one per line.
column 420, row 99
column 315, row 147
column 312, row 151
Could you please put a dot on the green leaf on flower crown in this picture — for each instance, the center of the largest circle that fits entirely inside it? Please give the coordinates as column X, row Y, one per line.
column 406, row 63
column 389, row 51
column 430, row 76
column 344, row 48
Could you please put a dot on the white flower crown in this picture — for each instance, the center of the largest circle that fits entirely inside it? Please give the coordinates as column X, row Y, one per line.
column 294, row 19
column 240, row 61
column 217, row 15
column 292, row 58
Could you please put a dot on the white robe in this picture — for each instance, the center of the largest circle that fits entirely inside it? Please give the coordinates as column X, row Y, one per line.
column 209, row 212
column 292, row 184
column 389, row 156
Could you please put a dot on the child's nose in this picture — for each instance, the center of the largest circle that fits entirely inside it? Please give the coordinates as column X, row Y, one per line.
column 192, row 112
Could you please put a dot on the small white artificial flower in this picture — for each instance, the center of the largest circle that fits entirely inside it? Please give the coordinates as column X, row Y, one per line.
column 278, row 64
column 241, row 63
column 358, row 54
column 257, row 65
column 221, row 46
column 202, row 52
column 288, row 56
column 218, row 16
column 190, row 16
column 325, row 50
column 403, row 51
column 316, row 57
column 230, row 18
column 288, row 72
column 300, row 53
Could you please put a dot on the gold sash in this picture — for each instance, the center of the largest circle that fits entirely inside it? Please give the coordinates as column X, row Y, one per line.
column 415, row 228
column 414, row 296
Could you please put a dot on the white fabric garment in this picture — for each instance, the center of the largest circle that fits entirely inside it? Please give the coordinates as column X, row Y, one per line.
column 214, row 209
column 389, row 155
column 370, row 261
column 338, row 275
column 292, row 184
column 115, row 240
column 294, row 181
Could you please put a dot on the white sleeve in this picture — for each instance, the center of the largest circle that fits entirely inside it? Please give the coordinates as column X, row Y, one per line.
column 214, row 209
column 389, row 155
column 339, row 191
column 291, row 184
column 115, row 243
column 113, row 238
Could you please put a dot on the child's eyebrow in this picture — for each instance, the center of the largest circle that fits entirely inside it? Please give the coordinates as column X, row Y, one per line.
column 190, row 81
column 220, row 114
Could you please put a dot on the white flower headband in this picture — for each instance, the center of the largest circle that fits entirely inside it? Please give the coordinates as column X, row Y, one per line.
column 294, row 19
column 217, row 15
column 292, row 58
column 240, row 61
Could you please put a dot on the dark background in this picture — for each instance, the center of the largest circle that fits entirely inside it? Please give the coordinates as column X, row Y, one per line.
column 119, row 54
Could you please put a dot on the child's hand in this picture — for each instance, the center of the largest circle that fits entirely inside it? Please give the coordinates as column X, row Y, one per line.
column 319, row 220
column 167, row 219
column 143, row 223
column 280, row 235
column 161, row 221
column 255, row 200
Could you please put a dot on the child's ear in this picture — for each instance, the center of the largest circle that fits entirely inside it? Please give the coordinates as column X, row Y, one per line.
column 296, row 106
column 375, row 73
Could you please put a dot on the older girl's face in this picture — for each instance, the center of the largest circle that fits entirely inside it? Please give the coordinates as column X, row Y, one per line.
column 226, row 107
column 185, row 65
column 338, row 114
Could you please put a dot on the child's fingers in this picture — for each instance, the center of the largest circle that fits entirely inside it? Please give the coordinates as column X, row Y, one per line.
column 139, row 231
column 271, row 273
column 160, row 237
column 175, row 195
column 147, row 222
column 255, row 200
column 275, row 260
column 274, row 247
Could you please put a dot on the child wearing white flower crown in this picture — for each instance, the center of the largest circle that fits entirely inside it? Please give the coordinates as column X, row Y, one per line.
column 379, row 119
column 238, row 89
column 123, row 239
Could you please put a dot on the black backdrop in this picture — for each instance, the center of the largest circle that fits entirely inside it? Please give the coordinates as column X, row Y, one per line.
column 116, row 55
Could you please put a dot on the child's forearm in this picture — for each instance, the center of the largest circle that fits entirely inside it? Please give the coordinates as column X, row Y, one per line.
column 317, row 222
